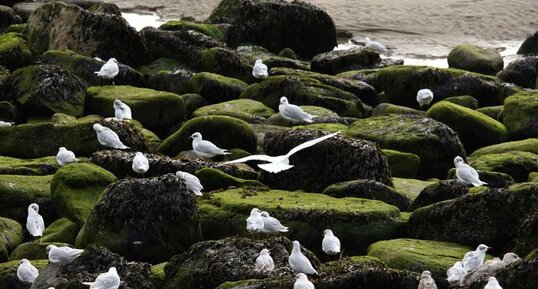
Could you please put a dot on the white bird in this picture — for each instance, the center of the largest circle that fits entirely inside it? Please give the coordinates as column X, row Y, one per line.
column 204, row 148
column 374, row 44
column 255, row 221
column 493, row 284
column 298, row 262
column 192, row 183
column 62, row 255
column 26, row 272
column 121, row 110
column 426, row 281
column 109, row 70
column 424, row 97
column 5, row 123
column 108, row 280
column 467, row 174
column 140, row 163
column 65, row 156
column 264, row 262
column 272, row 224
column 34, row 222
column 474, row 259
column 108, row 137
column 280, row 163
column 302, row 282
column 292, row 112
column 259, row 70
column 455, row 273
column 490, row 268
column 330, row 244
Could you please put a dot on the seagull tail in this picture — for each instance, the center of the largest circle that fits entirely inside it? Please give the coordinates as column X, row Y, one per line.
column 275, row 167
column 198, row 193
column 98, row 73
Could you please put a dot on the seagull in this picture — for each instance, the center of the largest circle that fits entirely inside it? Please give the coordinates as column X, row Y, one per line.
column 271, row 224
column 424, row 97
column 455, row 273
column 5, row 123
column 62, row 255
column 467, row 174
column 264, row 262
column 298, row 262
column 192, row 183
column 292, row 112
column 26, row 272
column 489, row 268
column 121, row 110
column 108, row 137
column 474, row 259
column 108, row 280
column 140, row 163
column 282, row 162
column 330, row 244
column 302, row 282
column 109, row 70
column 426, row 281
column 493, row 284
column 34, row 222
column 65, row 156
column 255, row 221
column 374, row 44
column 259, row 71
column 205, row 148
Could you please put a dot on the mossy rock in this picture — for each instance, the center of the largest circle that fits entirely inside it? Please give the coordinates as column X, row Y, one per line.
column 214, row 179
column 410, row 187
column 32, row 251
column 8, row 16
column 464, row 100
column 157, row 275
column 494, row 112
column 167, row 75
column 357, row 222
column 15, row 51
column 18, row 192
column 402, row 165
column 533, row 177
column 62, row 230
column 530, row 45
column 388, row 108
column 434, row 142
column 520, row 114
column 224, row 131
column 522, row 72
column 8, row 274
column 11, row 236
column 438, row 192
column 106, row 8
column 528, row 145
column 337, row 61
column 8, row 110
column 304, row 91
column 17, row 28
column 321, row 115
column 248, row 110
column 517, row 164
column 224, row 61
column 494, row 179
column 475, row 129
column 252, row 52
column 216, row 88
column 76, row 188
column 207, row 29
column 477, row 59
column 15, row 166
column 156, row 110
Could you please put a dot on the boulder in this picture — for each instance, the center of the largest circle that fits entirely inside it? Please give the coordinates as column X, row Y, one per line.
column 477, row 59
column 8, row 17
column 105, row 8
column 522, row 72
column 530, row 45
column 252, row 52
column 25, row 9
column 63, row 26
column 216, row 88
column 277, row 24
column 464, row 100
column 402, row 165
column 248, row 110
column 388, row 108
column 62, row 230
column 338, row 61
column 207, row 29
column 11, row 234
column 517, row 164
column 8, row 274
column 8, row 110
column 528, row 145
column 321, row 116
column 226, row 62
column 32, row 251
column 157, row 275
column 438, row 192
column 166, row 74
column 214, row 179
column 41, row 166
column 494, row 112
column 15, row 51
column 169, row 224
column 494, row 179
column 411, row 187
column 519, row 114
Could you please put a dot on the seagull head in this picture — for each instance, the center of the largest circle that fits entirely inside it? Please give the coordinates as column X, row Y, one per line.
column 255, row 211
column 196, row 136
column 265, row 214
column 62, row 149
column 366, row 40
column 264, row 251
column 426, row 274
column 510, row 258
column 283, row 100
column 49, row 247
column 328, row 232
column 296, row 245
column 302, row 277
column 97, row 127
column 139, row 154
column 113, row 270
column 492, row 280
column 117, row 102
column 113, row 60
column 24, row 261
column 482, row 248
column 34, row 207
column 458, row 160
column 180, row 174
column 259, row 61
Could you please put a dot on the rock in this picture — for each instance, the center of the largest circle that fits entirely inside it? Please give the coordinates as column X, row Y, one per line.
column 477, row 59
column 8, row 17
column 157, row 275
column 334, row 160
column 166, row 74
column 517, row 164
column 434, row 142
column 248, row 110
column 8, row 110
column 530, row 45
column 402, row 165
column 62, row 230
column 304, row 91
column 276, row 25
column 25, row 9
column 338, row 61
column 527, row 145
column 438, row 192
column 528, row 238
column 475, row 129
column 169, row 224
column 492, row 212
column 214, row 179
column 17, row 28
column 388, row 108
column 368, row 189
column 356, row 222
column 224, row 131
column 207, row 29
column 322, row 116
column 519, row 115
column 8, row 274
column 48, row 89
column 522, row 72
column 494, row 179
column 14, row 51
column 11, row 235
column 410, row 187
column 465, row 101
column 41, row 166
column 84, row 67
column 225, row 62
column 105, row 8
column 85, row 4
column 76, row 188
column 62, row 26
column 520, row 275
column 251, row 53
column 216, row 88
column 32, row 251
column 494, row 112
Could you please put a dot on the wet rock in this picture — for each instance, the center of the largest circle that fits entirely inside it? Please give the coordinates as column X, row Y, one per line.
column 8, row 17
column 338, row 61
column 321, row 116
column 169, row 224
column 522, row 72
column 410, row 187
column 11, row 235
column 25, row 9
column 519, row 115
column 465, row 101
column 530, row 45
column 477, row 59
column 225, row 62
column 86, row 4
column 248, row 110
column 207, row 29
column 14, row 51
column 517, row 164
column 438, row 192
column 216, row 88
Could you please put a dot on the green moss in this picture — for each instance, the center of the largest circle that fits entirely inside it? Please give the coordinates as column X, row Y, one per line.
column 157, row 275
column 246, row 109
column 8, row 272
column 402, row 165
column 331, row 127
column 161, row 65
column 517, row 164
column 213, row 179
column 76, row 188
column 474, row 58
column 533, row 177
column 464, row 100
column 410, row 187
column 10, row 237
column 528, row 145
column 321, row 115
column 520, row 114
column 216, row 88
column 388, row 108
column 17, row 28
column 494, row 112
column 17, row 192
column 40, row 166
column 238, row 284
column 62, row 230
column 207, row 29
column 14, row 51
column 224, row 61
column 32, row 251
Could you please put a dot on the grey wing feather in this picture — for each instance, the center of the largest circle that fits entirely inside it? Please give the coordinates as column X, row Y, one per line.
column 309, row 143
column 295, row 111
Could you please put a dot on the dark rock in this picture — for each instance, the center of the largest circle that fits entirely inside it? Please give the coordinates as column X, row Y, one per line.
column 522, row 72
column 86, row 4
column 11, row 234
column 25, row 9
column 402, row 165
column 8, row 17
column 105, row 8
column 15, row 51
column 216, row 88
column 225, row 62
column 207, row 29
column 334, row 62
column 494, row 179
column 530, row 45
column 167, row 75
column 251, row 53
column 438, row 192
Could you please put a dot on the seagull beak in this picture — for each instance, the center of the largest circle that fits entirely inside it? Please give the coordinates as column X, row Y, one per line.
column 489, row 248
column 190, row 137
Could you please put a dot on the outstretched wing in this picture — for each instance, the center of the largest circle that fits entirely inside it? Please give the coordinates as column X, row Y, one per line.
column 252, row 158
column 309, row 143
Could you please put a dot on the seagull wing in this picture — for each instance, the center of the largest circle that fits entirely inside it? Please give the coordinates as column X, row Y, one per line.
column 252, row 158
column 309, row 144
column 295, row 112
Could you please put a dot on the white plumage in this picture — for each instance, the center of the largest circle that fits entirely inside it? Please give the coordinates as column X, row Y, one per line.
column 109, row 70
column 34, row 222
column 140, row 163
column 259, row 70
column 298, row 262
column 108, row 137
column 302, row 282
column 204, row 148
column 255, row 221
column 292, row 112
column 426, row 281
column 488, row 269
column 62, row 255
column 493, row 284
column 192, row 183
column 424, row 97
column 330, row 244
column 26, row 272
column 474, row 259
column 467, row 174
column 108, row 280
column 5, row 123
column 271, row 224
column 282, row 162
column 65, row 156
column 374, row 44
column 455, row 273
column 264, row 262
column 121, row 110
